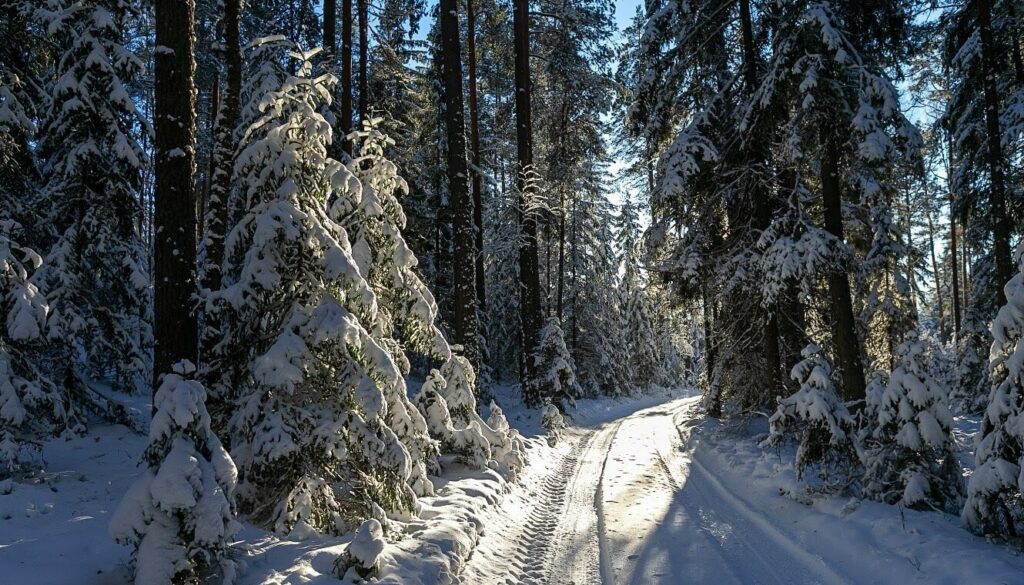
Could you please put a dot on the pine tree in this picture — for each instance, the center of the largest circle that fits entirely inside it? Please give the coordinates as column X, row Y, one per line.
column 94, row 270
column 179, row 516
column 816, row 417
column 30, row 402
column 555, row 382
column 321, row 428
column 909, row 457
column 994, row 492
column 174, row 214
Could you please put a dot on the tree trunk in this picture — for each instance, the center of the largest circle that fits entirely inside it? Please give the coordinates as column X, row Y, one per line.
column 203, row 202
column 561, row 253
column 997, row 202
column 222, row 167
column 935, row 270
column 364, row 51
column 844, row 325
column 529, row 270
column 953, row 247
column 474, row 141
column 346, row 75
column 330, row 27
column 174, row 162
column 464, row 264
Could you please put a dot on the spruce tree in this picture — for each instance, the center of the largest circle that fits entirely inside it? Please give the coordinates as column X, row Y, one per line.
column 994, row 492
column 94, row 270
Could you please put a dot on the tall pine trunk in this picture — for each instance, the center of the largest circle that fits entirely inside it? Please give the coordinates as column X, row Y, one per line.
column 529, row 269
column 330, row 27
column 346, row 75
column 222, row 166
column 953, row 246
column 997, row 186
column 174, row 267
column 474, row 144
column 844, row 325
column 464, row 263
column 364, row 52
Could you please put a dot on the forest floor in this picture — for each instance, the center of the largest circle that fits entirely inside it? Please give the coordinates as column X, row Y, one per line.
column 662, row 495
column 639, row 491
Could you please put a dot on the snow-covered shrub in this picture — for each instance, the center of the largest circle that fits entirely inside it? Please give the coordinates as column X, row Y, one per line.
column 908, row 456
column 178, row 516
column 551, row 419
column 507, row 446
column 320, row 425
column 95, row 273
column 555, row 380
column 460, row 387
column 995, row 502
column 29, row 401
column 816, row 417
column 362, row 555
column 460, row 430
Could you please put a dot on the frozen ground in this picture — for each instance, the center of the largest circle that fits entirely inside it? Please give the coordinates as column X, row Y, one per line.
column 642, row 491
column 661, row 496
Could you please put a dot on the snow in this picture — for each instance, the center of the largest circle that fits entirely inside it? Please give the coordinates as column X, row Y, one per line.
column 639, row 490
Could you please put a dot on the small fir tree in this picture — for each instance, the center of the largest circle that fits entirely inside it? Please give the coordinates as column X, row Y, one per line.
column 320, row 425
column 556, row 375
column 816, row 417
column 29, row 401
column 908, row 457
column 179, row 516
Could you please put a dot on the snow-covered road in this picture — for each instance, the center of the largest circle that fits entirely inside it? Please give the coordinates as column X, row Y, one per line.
column 646, row 498
column 626, row 503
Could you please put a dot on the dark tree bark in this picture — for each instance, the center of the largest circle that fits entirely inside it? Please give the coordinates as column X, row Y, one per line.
column 935, row 268
column 529, row 269
column 346, row 75
column 174, row 161
column 561, row 254
column 364, row 51
column 222, row 166
column 474, row 145
column 953, row 248
column 997, row 185
column 464, row 265
column 844, row 325
column 330, row 27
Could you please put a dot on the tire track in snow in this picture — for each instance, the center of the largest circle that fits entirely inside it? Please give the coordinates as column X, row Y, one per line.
column 558, row 541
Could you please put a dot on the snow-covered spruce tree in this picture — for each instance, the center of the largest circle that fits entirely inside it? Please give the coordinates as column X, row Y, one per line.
column 556, row 376
column 29, row 401
column 374, row 220
column 179, row 516
column 995, row 492
column 642, row 357
column 319, row 407
column 816, row 417
column 94, row 272
column 908, row 454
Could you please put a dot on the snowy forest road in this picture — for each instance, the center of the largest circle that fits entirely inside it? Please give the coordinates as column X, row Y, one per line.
column 627, row 502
